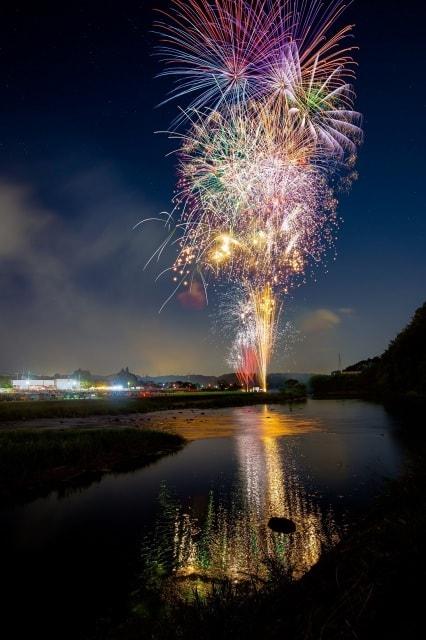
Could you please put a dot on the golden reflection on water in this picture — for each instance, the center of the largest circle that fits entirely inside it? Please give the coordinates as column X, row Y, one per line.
column 228, row 536
column 194, row 424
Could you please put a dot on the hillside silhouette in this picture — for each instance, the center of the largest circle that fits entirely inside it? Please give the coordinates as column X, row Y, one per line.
column 400, row 372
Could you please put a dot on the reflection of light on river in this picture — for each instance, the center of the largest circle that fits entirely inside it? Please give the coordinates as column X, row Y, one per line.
column 227, row 535
column 272, row 488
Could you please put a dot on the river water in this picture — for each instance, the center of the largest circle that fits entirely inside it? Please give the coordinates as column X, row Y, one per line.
column 197, row 516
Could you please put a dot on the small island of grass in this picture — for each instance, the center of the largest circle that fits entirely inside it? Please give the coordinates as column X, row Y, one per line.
column 34, row 461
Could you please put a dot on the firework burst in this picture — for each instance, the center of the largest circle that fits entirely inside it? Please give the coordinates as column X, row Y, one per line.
column 253, row 206
column 270, row 122
column 242, row 50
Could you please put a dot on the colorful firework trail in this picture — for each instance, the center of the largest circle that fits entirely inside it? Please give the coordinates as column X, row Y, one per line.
column 268, row 125
column 257, row 313
column 264, row 308
column 243, row 359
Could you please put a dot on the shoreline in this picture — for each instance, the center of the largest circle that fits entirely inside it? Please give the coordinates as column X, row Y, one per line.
column 23, row 413
column 114, row 413
column 189, row 423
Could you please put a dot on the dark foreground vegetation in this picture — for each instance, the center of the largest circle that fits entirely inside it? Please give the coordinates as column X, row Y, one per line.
column 397, row 375
column 370, row 586
column 33, row 462
column 293, row 390
column 26, row 410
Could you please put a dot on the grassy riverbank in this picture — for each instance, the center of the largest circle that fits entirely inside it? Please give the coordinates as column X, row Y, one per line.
column 369, row 586
column 22, row 411
column 36, row 461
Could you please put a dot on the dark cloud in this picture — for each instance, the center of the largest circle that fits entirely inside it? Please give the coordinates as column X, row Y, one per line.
column 74, row 292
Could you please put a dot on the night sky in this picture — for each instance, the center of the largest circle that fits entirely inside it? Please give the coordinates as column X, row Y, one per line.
column 80, row 165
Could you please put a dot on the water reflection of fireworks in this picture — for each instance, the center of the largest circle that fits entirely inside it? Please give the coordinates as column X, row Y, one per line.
column 226, row 536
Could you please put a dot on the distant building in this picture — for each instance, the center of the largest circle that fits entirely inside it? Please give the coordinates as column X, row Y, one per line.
column 345, row 372
column 46, row 384
column 67, row 384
